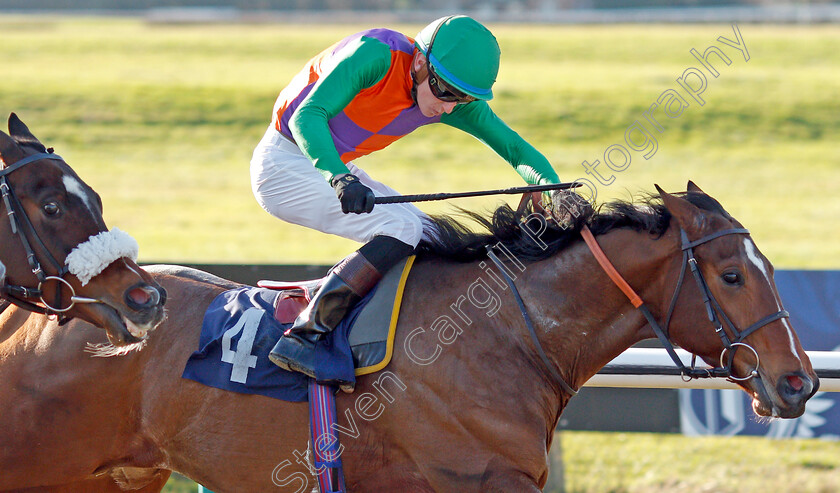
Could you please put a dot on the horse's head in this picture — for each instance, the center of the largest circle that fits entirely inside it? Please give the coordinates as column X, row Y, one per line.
column 754, row 344
column 59, row 256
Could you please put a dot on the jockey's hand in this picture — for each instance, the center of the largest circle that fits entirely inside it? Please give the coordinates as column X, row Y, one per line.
column 567, row 206
column 354, row 196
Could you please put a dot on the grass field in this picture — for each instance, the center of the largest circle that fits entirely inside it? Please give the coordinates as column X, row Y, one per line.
column 655, row 463
column 161, row 121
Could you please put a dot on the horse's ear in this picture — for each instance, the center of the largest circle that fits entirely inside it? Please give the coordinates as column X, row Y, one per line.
column 20, row 132
column 692, row 187
column 691, row 218
column 9, row 150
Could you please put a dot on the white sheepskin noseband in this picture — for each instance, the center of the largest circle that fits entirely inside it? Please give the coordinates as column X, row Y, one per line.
column 2, row 272
column 90, row 258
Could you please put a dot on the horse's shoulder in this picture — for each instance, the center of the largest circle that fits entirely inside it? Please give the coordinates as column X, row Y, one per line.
column 191, row 274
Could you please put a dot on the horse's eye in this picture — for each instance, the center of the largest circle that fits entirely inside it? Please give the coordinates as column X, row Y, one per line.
column 733, row 278
column 51, row 208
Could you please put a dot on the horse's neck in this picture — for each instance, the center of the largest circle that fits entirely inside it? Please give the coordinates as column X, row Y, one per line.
column 189, row 273
column 587, row 319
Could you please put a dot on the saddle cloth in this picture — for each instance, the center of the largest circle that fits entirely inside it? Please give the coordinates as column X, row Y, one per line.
column 242, row 325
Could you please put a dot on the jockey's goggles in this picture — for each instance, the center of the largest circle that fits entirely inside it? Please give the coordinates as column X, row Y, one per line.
column 444, row 92
column 439, row 88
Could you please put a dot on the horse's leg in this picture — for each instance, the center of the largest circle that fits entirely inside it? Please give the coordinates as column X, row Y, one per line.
column 157, row 478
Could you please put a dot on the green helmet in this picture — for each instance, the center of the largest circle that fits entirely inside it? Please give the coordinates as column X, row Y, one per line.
column 463, row 53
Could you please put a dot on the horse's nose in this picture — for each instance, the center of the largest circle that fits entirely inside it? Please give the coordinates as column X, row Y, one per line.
column 795, row 388
column 143, row 296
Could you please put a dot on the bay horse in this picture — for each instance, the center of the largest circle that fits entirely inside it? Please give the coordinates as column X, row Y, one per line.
column 467, row 402
column 58, row 256
column 58, row 259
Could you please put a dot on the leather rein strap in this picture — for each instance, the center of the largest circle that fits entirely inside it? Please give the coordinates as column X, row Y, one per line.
column 608, row 267
column 529, row 324
column 711, row 304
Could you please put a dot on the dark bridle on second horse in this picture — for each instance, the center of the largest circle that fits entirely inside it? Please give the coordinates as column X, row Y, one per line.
column 22, row 226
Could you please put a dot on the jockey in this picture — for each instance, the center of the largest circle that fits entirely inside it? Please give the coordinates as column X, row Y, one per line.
column 354, row 98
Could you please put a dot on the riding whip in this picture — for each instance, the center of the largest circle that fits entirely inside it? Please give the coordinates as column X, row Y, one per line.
column 398, row 199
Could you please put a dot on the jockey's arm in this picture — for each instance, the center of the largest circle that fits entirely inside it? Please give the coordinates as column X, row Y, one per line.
column 360, row 64
column 478, row 120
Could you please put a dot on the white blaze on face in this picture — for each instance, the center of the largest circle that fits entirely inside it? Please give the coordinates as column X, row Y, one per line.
column 74, row 187
column 91, row 257
column 752, row 255
column 2, row 272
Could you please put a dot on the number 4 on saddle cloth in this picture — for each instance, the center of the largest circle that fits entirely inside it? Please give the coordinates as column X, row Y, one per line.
column 242, row 325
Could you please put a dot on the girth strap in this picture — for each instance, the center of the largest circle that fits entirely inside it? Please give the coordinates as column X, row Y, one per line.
column 326, row 450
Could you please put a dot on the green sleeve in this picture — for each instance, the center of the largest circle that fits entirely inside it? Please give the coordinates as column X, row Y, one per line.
column 478, row 120
column 358, row 65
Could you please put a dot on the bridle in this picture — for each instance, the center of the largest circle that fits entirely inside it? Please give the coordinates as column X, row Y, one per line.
column 730, row 345
column 26, row 232
column 713, row 308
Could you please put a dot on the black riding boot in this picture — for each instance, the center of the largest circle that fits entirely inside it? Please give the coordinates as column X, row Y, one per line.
column 345, row 286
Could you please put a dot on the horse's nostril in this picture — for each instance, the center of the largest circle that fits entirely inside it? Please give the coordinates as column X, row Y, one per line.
column 795, row 383
column 143, row 296
column 139, row 296
column 795, row 387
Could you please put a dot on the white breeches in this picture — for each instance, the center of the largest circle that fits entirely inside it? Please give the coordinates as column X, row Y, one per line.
column 289, row 187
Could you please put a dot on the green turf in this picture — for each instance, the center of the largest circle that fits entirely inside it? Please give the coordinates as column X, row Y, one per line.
column 161, row 120
column 655, row 463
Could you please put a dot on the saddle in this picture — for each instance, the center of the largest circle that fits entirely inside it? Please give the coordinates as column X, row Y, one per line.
column 242, row 324
column 372, row 333
column 294, row 297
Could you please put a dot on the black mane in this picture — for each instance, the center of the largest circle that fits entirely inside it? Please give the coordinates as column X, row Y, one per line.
column 456, row 241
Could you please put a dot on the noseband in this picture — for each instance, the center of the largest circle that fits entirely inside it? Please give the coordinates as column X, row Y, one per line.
column 23, row 228
column 730, row 345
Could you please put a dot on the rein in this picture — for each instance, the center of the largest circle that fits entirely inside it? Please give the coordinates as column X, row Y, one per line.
column 711, row 304
column 529, row 323
column 20, row 225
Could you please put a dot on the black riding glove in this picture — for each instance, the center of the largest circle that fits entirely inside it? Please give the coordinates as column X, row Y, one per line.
column 354, row 196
